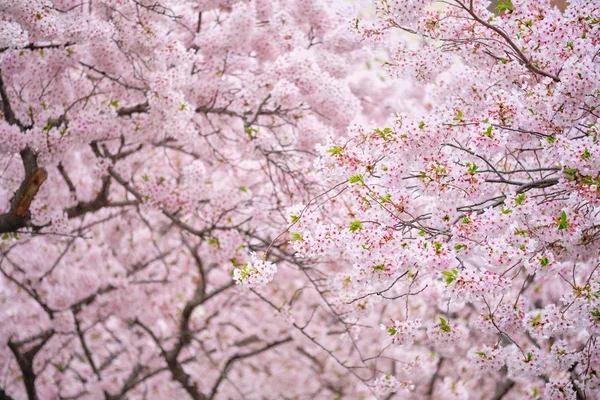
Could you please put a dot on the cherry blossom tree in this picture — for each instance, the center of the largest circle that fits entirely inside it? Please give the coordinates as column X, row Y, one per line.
column 149, row 151
column 467, row 227
column 186, row 213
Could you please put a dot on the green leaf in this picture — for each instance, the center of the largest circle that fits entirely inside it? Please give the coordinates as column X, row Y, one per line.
column 444, row 325
column 245, row 272
column 354, row 226
column 422, row 125
column 472, row 168
column 563, row 223
column 380, row 267
column 114, row 103
column 243, row 189
column 386, row 199
column 392, row 331
column 523, row 247
column 466, row 220
column 520, row 199
column 294, row 218
column 6, row 236
column 503, row 60
column 296, row 237
column 481, row 354
column 213, row 241
column 536, row 320
column 571, row 171
column 386, row 132
column 506, row 210
column 459, row 115
column 336, row 151
column 356, row 178
column 488, row 131
column 544, row 261
column 504, row 6
column 586, row 154
column 451, row 276
column 587, row 180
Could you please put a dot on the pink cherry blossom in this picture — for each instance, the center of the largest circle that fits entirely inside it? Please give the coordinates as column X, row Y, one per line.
column 323, row 199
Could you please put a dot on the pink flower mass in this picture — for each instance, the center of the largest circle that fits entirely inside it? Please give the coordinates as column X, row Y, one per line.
column 299, row 199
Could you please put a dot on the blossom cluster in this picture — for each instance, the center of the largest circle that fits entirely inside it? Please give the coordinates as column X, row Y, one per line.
column 255, row 273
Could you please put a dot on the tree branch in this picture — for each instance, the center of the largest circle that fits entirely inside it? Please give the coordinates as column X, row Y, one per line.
column 19, row 216
column 239, row 357
column 25, row 360
column 523, row 58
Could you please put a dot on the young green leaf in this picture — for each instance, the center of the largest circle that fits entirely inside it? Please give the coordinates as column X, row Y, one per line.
column 296, row 237
column 562, row 222
column 356, row 178
column 335, row 150
column 354, row 226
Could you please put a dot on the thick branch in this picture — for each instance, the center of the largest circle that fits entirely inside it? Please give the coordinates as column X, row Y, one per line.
column 502, row 388
column 9, row 115
column 4, row 396
column 18, row 216
column 99, row 202
column 25, row 361
column 33, row 46
column 137, row 109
